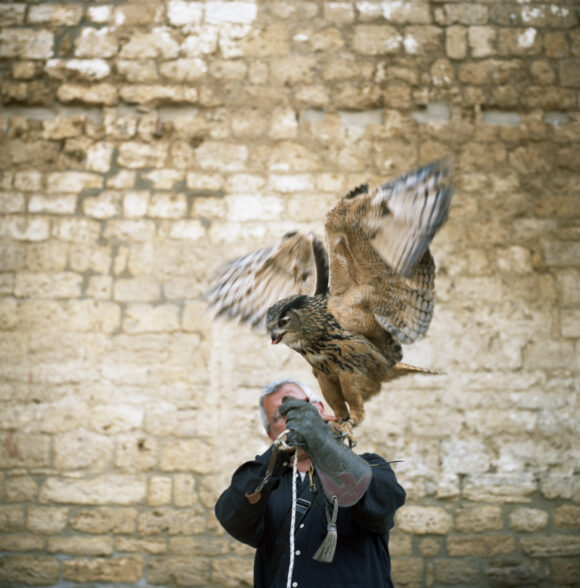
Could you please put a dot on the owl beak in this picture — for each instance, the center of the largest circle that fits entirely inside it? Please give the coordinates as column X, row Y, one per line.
column 276, row 339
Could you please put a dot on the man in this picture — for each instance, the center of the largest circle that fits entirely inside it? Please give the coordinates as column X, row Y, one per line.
column 260, row 516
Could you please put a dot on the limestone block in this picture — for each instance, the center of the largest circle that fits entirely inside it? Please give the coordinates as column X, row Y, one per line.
column 96, row 43
column 566, row 571
column 528, row 520
column 29, row 570
column 160, row 490
column 184, row 490
column 190, row 455
column 150, row 94
column 478, row 519
column 136, row 453
column 181, row 12
column 190, row 521
column 101, row 490
column 72, row 182
column 556, row 45
column 164, row 179
column 63, row 127
column 98, row 546
column 22, row 450
column 569, row 71
column 167, row 205
column 136, row 203
column 21, row 543
column 136, row 289
column 159, row 43
column 201, row 40
column 233, row 571
column 407, row 571
column 567, row 516
column 130, row 545
column 190, row 230
column 46, row 520
column 135, row 155
column 376, row 40
column 480, row 546
column 99, row 94
column 423, row 40
column 519, row 41
column 82, row 450
column 45, row 285
column 115, row 419
column 55, row 15
column 53, row 203
column 104, row 520
column 462, row 13
column 244, row 40
column 28, row 181
column 139, row 230
column 12, row 14
column 100, row 287
column 21, row 489
column 506, row 488
column 461, row 571
column 224, row 157
column 25, row 229
column 141, row 13
column 481, row 41
column 11, row 202
column 12, row 518
column 106, row 205
column 99, row 14
column 99, row 157
column 85, row 70
column 551, row 545
column 568, row 284
column 121, row 569
column 429, row 547
column 25, row 43
column 184, row 571
column 422, row 520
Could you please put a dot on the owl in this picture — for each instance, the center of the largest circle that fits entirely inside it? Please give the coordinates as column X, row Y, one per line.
column 348, row 306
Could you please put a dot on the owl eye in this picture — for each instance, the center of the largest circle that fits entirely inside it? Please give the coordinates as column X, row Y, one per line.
column 283, row 321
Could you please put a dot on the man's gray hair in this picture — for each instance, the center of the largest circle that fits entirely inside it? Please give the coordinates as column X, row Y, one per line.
column 274, row 387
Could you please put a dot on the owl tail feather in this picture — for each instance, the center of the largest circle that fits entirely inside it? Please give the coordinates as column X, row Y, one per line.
column 404, row 369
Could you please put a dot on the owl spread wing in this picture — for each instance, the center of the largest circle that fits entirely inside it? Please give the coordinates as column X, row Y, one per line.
column 246, row 287
column 379, row 250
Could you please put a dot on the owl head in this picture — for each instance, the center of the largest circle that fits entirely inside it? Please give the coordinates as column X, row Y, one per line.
column 284, row 320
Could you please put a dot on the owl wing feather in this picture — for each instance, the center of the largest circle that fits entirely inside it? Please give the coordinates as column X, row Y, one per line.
column 246, row 287
column 381, row 270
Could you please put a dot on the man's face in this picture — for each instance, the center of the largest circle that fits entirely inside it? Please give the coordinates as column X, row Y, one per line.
column 273, row 402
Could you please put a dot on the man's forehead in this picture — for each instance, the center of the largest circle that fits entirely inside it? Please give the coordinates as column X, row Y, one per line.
column 292, row 390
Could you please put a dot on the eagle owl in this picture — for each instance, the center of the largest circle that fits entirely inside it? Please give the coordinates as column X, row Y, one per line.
column 347, row 310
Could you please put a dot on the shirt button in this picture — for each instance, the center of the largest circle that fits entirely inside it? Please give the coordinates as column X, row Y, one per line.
column 302, row 525
column 294, row 584
column 298, row 552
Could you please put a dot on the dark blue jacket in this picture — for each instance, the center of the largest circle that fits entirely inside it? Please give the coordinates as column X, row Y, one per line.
column 362, row 552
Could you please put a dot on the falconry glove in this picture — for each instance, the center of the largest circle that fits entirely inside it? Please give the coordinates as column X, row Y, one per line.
column 342, row 474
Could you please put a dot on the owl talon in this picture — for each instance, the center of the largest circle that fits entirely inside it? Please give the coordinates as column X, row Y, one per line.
column 343, row 430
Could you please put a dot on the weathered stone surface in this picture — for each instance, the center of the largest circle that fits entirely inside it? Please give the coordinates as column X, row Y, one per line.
column 528, row 519
column 29, row 570
column 121, row 569
column 422, row 520
column 104, row 520
column 141, row 143
column 109, row 489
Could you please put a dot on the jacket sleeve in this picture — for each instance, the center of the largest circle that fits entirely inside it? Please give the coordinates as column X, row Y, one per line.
column 241, row 519
column 376, row 509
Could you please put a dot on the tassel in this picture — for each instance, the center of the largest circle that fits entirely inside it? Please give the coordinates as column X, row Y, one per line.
column 325, row 552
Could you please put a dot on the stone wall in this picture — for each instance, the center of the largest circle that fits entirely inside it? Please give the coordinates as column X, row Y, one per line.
column 143, row 142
